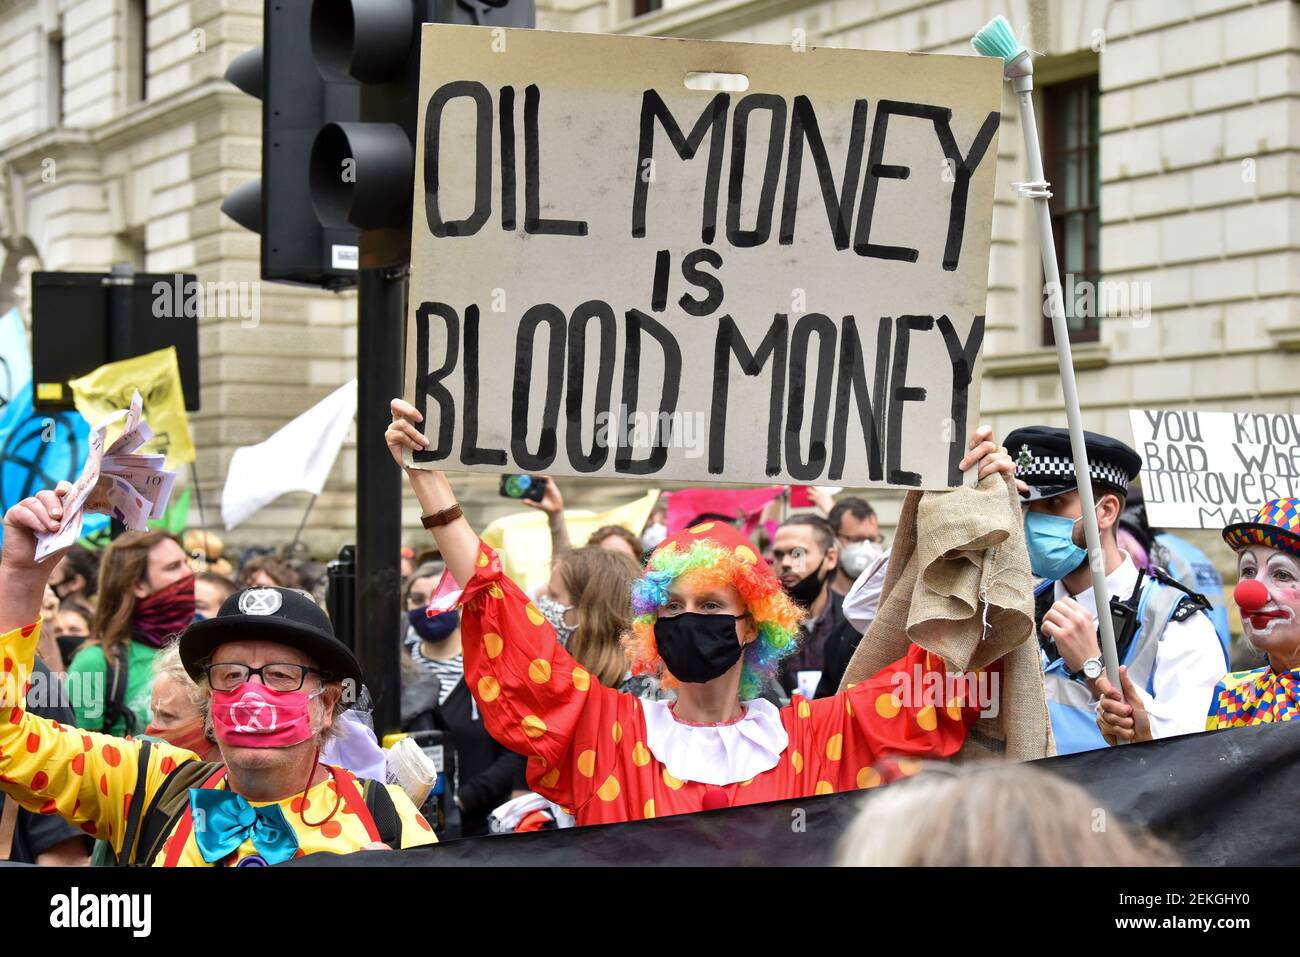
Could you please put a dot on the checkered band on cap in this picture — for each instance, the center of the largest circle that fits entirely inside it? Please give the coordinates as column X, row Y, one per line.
column 1043, row 469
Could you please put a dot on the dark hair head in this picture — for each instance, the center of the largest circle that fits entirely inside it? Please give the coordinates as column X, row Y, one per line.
column 857, row 507
column 821, row 528
column 221, row 582
column 278, row 571
column 80, row 560
column 618, row 531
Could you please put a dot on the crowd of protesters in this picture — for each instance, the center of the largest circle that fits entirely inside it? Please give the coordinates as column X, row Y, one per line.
column 720, row 648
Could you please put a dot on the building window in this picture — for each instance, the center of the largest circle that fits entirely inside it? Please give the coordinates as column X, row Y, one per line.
column 54, row 79
column 1070, row 161
column 137, row 52
column 641, row 7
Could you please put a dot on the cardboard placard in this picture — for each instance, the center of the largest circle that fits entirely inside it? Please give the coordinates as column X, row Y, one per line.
column 1211, row 469
column 613, row 274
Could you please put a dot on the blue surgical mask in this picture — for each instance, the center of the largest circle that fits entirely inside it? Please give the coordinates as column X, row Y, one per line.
column 1050, row 540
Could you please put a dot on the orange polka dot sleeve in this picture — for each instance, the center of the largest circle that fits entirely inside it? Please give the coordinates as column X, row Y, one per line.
column 89, row 779
column 913, row 708
column 535, row 699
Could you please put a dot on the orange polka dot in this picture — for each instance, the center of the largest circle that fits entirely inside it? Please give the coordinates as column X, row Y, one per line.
column 745, row 554
column 804, row 709
column 331, row 829
column 79, row 764
column 834, row 747
column 50, row 806
column 167, row 765
column 33, row 742
column 89, row 828
column 954, row 709
column 28, row 629
column 419, row 819
column 649, row 810
column 848, row 705
column 495, row 591
column 745, row 784
column 539, row 669
column 702, row 527
column 927, row 718
column 103, row 783
column 671, row 781
column 868, row 778
column 534, row 615
column 587, row 763
column 617, row 732
column 796, row 760
column 112, row 756
column 909, row 765
column 299, row 804
column 640, row 755
column 609, row 790
column 887, row 706
column 823, row 787
column 482, row 560
column 488, row 689
column 15, row 715
column 581, row 679
column 492, row 644
column 40, row 779
column 86, row 743
column 550, row 778
column 533, row 726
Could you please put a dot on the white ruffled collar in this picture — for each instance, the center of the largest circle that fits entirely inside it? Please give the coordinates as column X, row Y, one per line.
column 716, row 754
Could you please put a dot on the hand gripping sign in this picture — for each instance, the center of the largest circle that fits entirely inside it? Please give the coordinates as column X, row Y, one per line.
column 615, row 274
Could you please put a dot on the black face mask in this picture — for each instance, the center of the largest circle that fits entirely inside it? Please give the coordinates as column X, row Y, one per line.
column 805, row 591
column 698, row 648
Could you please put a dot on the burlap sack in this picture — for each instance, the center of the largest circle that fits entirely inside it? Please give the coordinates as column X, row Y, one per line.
column 959, row 561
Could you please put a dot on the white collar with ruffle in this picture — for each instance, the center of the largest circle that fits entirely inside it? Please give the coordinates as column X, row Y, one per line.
column 716, row 754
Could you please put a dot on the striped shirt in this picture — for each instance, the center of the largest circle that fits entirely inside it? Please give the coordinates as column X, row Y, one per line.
column 450, row 671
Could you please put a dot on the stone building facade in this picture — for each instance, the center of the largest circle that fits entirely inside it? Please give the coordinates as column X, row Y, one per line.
column 1172, row 128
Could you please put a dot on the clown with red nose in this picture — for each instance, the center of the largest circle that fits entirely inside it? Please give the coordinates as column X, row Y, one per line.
column 1268, row 597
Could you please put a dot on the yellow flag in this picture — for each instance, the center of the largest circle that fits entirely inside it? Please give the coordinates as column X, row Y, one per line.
column 157, row 375
column 524, row 538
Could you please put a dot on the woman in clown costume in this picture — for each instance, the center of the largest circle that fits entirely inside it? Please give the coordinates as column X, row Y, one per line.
column 712, row 621
column 1268, row 594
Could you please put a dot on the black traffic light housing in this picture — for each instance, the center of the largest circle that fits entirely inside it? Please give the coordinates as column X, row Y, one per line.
column 296, row 102
column 363, row 173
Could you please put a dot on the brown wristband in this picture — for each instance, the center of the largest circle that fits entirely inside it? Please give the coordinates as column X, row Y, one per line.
column 442, row 516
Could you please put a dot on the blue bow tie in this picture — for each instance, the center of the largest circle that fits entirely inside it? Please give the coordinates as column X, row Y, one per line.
column 223, row 820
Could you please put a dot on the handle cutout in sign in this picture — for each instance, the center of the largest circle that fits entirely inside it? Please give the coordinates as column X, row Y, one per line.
column 713, row 82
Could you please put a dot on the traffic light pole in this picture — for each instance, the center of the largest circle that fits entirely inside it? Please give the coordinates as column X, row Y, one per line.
column 381, row 304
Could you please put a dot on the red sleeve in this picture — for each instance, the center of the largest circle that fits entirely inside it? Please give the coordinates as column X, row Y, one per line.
column 913, row 708
column 534, row 698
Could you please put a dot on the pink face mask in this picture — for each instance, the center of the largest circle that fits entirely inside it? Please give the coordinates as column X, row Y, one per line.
column 255, row 716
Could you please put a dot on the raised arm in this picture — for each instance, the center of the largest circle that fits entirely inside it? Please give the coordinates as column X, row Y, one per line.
column 88, row 779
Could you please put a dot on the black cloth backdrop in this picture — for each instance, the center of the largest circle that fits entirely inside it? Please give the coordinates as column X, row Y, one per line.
column 1222, row 798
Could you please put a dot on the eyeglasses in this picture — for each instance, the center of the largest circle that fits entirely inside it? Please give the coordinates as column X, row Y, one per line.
column 278, row 676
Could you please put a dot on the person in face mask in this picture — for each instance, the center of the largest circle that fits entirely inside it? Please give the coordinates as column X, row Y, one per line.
column 1173, row 654
column 857, row 533
column 807, row 554
column 274, row 677
column 710, row 621
column 146, row 598
column 1268, row 595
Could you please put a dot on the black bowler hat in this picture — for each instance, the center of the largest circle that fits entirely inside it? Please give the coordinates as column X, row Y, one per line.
column 283, row 615
column 1045, row 461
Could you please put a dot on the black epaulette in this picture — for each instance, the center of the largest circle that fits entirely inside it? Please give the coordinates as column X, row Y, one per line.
column 1188, row 605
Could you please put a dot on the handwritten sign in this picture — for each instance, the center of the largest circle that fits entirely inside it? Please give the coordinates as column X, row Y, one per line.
column 614, row 274
column 1210, row 469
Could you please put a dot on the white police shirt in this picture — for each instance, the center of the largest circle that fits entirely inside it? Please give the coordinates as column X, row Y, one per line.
column 1189, row 660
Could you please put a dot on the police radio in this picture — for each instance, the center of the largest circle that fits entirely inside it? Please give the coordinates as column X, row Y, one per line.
column 1124, row 617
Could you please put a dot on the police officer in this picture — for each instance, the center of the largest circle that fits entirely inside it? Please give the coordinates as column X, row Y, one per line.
column 1170, row 646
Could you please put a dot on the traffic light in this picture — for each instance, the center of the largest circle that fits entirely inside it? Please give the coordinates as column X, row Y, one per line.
column 296, row 102
column 363, row 171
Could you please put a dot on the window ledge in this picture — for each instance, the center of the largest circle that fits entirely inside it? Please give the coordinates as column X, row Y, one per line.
column 1286, row 338
column 1086, row 355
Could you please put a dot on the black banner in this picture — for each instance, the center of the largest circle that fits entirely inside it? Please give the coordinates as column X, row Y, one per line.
column 1222, row 798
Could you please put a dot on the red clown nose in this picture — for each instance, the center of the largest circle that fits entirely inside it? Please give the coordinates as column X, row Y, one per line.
column 1250, row 595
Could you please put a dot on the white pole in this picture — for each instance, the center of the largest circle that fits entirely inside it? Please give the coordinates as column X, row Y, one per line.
column 1037, row 188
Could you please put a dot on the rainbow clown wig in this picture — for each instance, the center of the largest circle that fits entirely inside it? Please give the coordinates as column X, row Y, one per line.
column 714, row 554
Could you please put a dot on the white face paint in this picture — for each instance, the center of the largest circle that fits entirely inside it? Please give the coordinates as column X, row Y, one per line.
column 1275, row 628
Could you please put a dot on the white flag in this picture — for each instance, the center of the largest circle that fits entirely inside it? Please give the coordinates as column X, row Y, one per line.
column 298, row 458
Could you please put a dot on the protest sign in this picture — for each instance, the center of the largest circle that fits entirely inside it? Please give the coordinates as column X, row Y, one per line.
column 1210, row 469
column 614, row 274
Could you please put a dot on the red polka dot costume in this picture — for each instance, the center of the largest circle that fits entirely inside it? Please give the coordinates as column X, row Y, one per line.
column 589, row 749
column 92, row 779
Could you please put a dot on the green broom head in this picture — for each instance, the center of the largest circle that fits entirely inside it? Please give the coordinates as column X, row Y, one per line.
column 997, row 39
